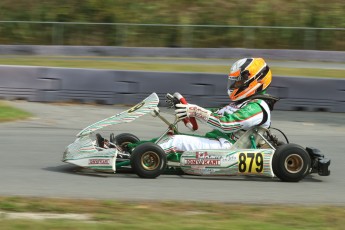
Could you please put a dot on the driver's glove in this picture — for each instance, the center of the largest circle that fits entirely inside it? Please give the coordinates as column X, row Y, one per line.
column 190, row 110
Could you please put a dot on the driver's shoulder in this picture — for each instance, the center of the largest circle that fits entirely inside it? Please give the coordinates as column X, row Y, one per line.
column 252, row 102
column 257, row 104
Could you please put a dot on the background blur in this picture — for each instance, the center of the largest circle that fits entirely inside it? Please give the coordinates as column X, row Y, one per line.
column 302, row 40
column 262, row 24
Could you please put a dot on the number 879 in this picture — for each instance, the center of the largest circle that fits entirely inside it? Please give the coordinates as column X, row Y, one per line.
column 248, row 162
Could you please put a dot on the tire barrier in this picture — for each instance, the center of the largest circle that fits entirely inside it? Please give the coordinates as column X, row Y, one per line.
column 46, row 84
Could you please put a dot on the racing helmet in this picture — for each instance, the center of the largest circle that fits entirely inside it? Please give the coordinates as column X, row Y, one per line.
column 247, row 77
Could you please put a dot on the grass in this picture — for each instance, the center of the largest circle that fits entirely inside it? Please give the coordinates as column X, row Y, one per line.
column 108, row 214
column 105, row 63
column 9, row 113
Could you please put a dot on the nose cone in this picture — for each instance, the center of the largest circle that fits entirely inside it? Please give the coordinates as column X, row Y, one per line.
column 65, row 154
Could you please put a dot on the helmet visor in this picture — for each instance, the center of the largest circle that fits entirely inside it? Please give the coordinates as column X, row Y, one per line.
column 235, row 82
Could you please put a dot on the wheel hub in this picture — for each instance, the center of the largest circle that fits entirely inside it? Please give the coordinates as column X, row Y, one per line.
column 150, row 160
column 294, row 163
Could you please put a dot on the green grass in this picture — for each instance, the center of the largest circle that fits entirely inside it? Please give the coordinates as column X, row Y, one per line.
column 9, row 113
column 108, row 214
column 101, row 63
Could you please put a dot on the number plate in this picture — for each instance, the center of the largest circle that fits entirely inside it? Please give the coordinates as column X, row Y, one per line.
column 251, row 162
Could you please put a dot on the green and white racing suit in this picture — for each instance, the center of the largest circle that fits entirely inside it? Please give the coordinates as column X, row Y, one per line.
column 227, row 123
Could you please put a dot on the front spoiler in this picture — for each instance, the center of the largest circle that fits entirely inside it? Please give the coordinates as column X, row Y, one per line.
column 319, row 164
column 82, row 152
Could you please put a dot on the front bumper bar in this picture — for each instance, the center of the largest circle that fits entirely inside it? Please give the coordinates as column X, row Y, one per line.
column 319, row 164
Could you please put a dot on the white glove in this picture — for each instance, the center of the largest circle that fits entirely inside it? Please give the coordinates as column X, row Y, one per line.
column 190, row 110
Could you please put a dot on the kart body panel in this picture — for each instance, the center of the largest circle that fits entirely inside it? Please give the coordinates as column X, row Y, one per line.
column 228, row 163
column 140, row 109
column 84, row 151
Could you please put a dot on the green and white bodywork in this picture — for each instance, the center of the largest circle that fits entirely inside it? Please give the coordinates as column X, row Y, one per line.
column 244, row 158
column 85, row 153
column 256, row 152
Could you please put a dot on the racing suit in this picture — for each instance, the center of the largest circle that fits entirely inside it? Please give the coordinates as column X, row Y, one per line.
column 227, row 123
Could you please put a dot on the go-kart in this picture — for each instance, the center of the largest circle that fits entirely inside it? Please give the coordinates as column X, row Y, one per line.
column 256, row 152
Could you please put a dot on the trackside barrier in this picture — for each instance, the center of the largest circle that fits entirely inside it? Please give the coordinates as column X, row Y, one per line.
column 45, row 84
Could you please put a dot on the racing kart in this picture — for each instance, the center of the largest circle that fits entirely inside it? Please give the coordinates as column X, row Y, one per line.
column 257, row 152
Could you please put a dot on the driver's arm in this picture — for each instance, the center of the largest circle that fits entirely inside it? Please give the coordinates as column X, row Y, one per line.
column 244, row 118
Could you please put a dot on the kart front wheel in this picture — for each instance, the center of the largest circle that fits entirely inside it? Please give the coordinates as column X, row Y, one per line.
column 148, row 160
column 291, row 162
column 123, row 139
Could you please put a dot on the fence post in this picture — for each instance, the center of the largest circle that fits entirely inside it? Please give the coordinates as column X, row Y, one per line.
column 57, row 34
column 187, row 36
column 248, row 37
column 309, row 39
column 121, row 35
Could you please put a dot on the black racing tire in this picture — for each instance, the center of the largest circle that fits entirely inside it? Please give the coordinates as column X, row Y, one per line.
column 123, row 139
column 148, row 160
column 291, row 163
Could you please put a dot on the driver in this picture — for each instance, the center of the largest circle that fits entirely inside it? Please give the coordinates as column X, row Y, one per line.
column 250, row 106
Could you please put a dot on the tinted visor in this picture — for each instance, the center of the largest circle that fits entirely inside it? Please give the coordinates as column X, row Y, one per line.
column 235, row 82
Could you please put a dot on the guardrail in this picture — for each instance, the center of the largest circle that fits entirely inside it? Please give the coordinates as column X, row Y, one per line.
column 45, row 84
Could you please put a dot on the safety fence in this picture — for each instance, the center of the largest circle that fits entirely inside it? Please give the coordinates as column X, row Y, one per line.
column 170, row 35
column 45, row 84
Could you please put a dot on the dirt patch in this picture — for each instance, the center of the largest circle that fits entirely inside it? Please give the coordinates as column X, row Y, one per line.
column 44, row 216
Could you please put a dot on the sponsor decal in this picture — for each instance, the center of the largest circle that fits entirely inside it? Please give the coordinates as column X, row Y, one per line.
column 99, row 161
column 207, row 171
column 197, row 167
column 204, row 159
column 201, row 155
column 136, row 107
column 202, row 162
column 206, row 155
column 201, row 171
column 229, row 158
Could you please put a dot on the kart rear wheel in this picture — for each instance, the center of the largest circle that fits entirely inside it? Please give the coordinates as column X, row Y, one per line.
column 148, row 160
column 123, row 139
column 291, row 162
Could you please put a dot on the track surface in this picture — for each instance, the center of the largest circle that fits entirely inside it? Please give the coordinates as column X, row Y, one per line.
column 31, row 164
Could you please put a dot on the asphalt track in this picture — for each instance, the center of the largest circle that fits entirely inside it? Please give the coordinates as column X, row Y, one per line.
column 31, row 152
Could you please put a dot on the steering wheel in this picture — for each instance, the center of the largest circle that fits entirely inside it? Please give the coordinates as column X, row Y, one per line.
column 189, row 122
